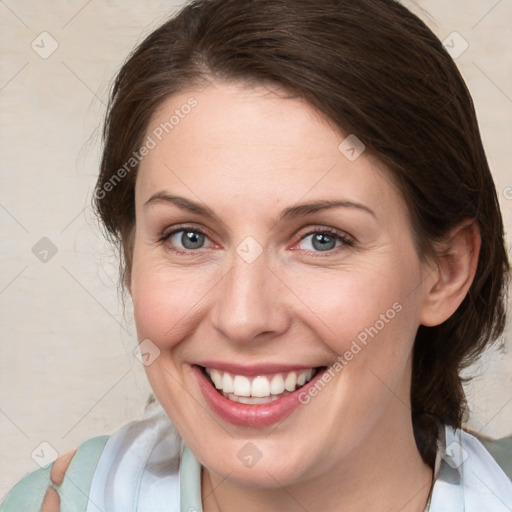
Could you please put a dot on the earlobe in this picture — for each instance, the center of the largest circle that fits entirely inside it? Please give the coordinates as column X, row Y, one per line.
column 457, row 260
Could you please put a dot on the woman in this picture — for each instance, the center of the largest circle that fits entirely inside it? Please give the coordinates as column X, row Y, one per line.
column 312, row 242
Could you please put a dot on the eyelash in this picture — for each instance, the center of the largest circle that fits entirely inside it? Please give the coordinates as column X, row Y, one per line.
column 345, row 239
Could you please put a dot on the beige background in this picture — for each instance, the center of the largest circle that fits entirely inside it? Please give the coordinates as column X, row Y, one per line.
column 67, row 371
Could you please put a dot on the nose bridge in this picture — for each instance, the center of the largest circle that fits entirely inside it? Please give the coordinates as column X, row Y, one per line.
column 247, row 302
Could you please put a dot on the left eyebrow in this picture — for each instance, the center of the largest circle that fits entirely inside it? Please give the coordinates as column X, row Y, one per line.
column 304, row 209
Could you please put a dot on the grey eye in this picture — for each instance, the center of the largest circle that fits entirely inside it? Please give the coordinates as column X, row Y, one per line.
column 188, row 239
column 320, row 242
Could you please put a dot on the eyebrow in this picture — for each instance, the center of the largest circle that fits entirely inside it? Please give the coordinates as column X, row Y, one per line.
column 292, row 212
column 182, row 203
column 304, row 209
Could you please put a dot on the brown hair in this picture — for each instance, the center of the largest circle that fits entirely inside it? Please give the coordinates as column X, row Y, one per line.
column 375, row 70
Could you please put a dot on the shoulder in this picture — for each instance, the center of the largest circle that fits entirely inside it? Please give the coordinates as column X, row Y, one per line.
column 135, row 468
column 67, row 479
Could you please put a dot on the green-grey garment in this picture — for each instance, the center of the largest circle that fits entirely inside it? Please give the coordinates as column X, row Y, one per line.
column 28, row 494
column 500, row 449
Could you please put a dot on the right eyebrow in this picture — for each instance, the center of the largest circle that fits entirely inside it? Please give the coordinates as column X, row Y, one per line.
column 182, row 203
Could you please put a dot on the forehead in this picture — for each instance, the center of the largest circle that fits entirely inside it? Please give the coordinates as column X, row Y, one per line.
column 229, row 140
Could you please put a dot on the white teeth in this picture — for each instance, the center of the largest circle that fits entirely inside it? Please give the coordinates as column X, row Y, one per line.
column 227, row 383
column 290, row 381
column 309, row 375
column 256, row 400
column 251, row 400
column 277, row 385
column 260, row 389
column 216, row 378
column 241, row 386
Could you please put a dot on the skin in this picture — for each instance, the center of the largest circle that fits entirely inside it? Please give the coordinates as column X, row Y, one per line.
column 248, row 153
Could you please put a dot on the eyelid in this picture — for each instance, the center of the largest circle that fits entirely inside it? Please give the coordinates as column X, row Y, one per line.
column 183, row 227
column 343, row 235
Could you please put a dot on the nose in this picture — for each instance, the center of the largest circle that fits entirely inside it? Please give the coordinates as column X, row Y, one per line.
column 250, row 302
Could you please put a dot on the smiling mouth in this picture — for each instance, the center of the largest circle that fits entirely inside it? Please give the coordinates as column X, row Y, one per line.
column 261, row 389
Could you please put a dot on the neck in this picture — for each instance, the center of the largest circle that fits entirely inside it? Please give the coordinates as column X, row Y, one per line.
column 386, row 472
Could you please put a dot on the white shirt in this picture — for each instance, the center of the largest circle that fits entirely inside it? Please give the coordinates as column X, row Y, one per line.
column 139, row 470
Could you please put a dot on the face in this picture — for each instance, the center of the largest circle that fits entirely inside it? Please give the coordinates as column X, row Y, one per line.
column 272, row 265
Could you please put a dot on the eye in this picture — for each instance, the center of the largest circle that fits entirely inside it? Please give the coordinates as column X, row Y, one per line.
column 185, row 239
column 323, row 240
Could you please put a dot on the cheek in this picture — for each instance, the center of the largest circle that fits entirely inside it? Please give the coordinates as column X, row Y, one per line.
column 356, row 309
column 368, row 319
column 166, row 301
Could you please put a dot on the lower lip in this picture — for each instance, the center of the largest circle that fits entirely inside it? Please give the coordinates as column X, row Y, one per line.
column 247, row 415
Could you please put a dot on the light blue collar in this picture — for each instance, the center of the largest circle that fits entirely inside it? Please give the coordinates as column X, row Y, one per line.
column 190, row 482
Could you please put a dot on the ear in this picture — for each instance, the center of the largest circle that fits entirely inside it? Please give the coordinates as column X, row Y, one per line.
column 455, row 268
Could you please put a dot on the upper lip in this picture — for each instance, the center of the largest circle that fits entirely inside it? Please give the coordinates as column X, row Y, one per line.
column 253, row 370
